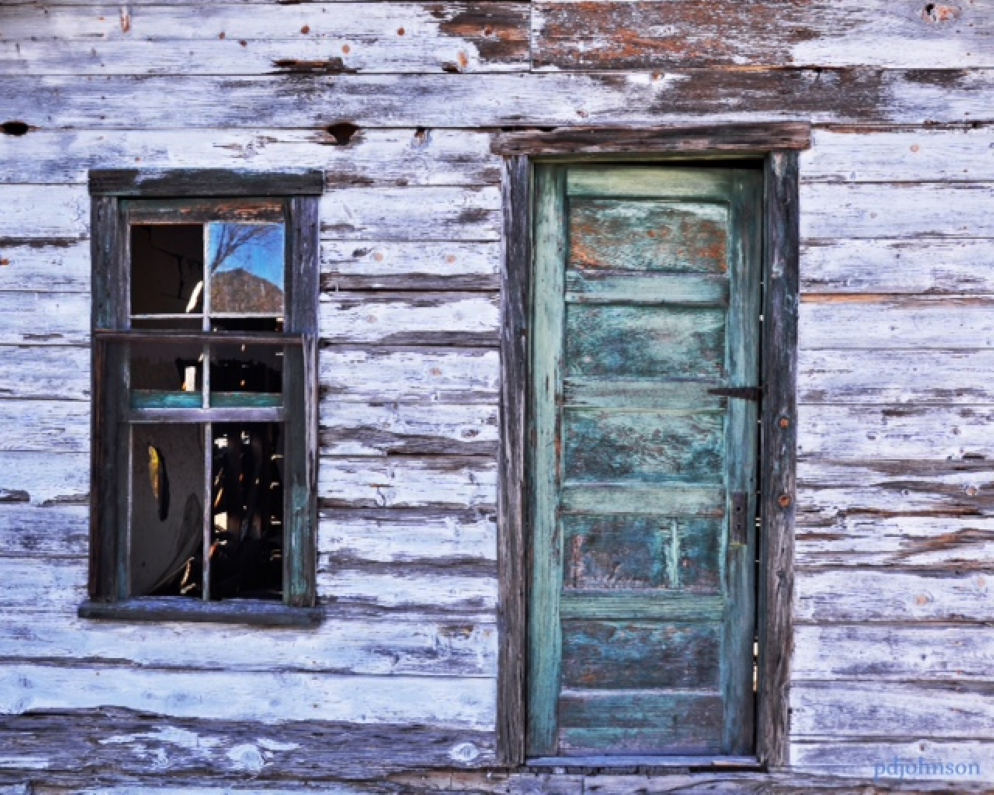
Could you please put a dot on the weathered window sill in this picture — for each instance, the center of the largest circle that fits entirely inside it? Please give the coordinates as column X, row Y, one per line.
column 234, row 611
column 643, row 764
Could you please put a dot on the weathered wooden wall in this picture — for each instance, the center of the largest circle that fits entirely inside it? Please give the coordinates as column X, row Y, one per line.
column 397, row 102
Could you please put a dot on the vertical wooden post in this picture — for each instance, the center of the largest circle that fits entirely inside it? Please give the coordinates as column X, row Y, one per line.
column 779, row 438
column 511, row 505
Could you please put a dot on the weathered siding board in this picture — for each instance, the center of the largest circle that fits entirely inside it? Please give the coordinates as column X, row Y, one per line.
column 891, row 711
column 406, row 587
column 922, row 265
column 48, row 372
column 894, row 210
column 964, row 542
column 365, row 156
column 851, row 595
column 35, row 317
column 914, row 154
column 43, row 425
column 860, row 758
column 635, row 34
column 409, row 374
column 44, row 477
column 312, row 38
column 408, row 482
column 466, row 702
column 407, row 318
column 902, row 652
column 63, row 266
column 43, row 213
column 686, row 96
column 895, row 377
column 409, row 266
column 53, row 532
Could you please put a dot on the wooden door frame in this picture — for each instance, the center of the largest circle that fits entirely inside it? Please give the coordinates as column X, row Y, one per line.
column 776, row 145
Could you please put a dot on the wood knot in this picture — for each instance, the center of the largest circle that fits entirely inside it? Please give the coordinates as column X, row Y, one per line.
column 935, row 13
column 14, row 128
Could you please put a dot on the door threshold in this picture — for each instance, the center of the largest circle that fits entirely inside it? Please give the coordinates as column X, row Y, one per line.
column 724, row 763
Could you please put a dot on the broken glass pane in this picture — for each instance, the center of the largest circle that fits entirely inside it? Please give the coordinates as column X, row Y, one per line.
column 246, row 375
column 246, row 554
column 167, row 269
column 246, row 268
column 166, row 376
column 167, row 518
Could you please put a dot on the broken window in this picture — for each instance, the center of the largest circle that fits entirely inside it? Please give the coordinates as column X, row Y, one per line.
column 204, row 395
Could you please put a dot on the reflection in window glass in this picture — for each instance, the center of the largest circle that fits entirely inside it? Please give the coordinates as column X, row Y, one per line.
column 167, row 269
column 246, row 268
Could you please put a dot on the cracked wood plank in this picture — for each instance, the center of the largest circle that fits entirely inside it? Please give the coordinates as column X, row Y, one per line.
column 638, row 35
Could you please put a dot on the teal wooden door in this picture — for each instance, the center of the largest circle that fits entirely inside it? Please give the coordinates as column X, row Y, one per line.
column 646, row 295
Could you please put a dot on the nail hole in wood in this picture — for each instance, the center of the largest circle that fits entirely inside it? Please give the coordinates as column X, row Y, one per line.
column 342, row 132
column 14, row 128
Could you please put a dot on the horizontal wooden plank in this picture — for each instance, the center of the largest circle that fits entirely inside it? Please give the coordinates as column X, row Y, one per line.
column 47, row 372
column 678, row 97
column 881, row 322
column 893, row 210
column 677, row 499
column 63, row 267
column 43, row 213
column 115, row 745
column 964, row 542
column 909, row 376
column 407, row 318
column 971, row 760
column 409, row 374
column 624, row 551
column 890, row 711
column 848, row 595
column 619, row 393
column 859, row 432
column 951, row 653
column 405, row 481
column 644, row 606
column 356, row 429
column 32, row 318
column 32, row 587
column 405, row 588
column 430, row 213
column 409, row 266
column 398, row 536
column 916, row 154
column 318, row 38
column 639, row 721
column 43, row 425
column 644, row 342
column 636, row 34
column 407, row 644
column 603, row 287
column 44, row 477
column 930, row 265
column 642, row 446
column 454, row 701
column 349, row 157
column 641, row 655
column 887, row 487
column 30, row 531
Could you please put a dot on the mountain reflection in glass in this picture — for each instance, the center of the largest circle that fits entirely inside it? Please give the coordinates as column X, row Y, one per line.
column 246, row 268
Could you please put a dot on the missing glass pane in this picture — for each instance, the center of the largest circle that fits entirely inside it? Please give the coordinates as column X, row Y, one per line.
column 246, row 268
column 167, row 465
column 246, row 553
column 167, row 269
column 166, row 376
column 246, row 375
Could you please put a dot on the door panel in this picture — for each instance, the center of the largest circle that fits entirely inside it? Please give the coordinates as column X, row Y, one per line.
column 641, row 614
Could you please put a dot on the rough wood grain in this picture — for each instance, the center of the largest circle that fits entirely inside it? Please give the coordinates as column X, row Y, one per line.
column 679, row 97
column 412, row 374
column 647, row 35
column 895, row 210
column 861, row 595
column 406, row 318
column 65, row 217
column 903, row 652
column 409, row 266
column 831, row 756
column 63, row 266
column 961, row 542
column 43, row 425
column 368, row 156
column 46, row 372
column 404, row 481
column 929, row 266
column 44, row 478
column 312, row 39
column 898, row 377
column 892, row 711
column 454, row 701
column 913, row 154
column 406, row 587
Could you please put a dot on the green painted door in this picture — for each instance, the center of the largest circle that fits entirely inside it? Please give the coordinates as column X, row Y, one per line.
column 646, row 295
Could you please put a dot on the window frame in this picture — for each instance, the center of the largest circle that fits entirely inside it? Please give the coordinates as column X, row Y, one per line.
column 111, row 191
column 776, row 145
